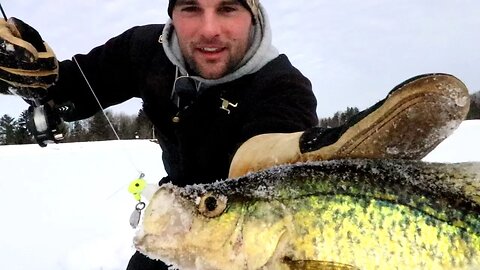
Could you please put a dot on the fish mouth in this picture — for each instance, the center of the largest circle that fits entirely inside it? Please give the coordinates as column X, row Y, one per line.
column 165, row 223
column 182, row 251
column 140, row 244
column 153, row 247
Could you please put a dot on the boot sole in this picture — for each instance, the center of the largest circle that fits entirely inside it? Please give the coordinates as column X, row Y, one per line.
column 413, row 120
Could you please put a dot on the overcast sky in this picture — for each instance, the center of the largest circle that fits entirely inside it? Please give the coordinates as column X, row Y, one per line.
column 353, row 51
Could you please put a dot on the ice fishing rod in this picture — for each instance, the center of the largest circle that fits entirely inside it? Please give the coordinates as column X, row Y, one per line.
column 43, row 120
column 44, row 123
column 3, row 12
column 41, row 115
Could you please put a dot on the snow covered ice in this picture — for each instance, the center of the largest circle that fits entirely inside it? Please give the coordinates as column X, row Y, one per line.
column 66, row 206
column 461, row 146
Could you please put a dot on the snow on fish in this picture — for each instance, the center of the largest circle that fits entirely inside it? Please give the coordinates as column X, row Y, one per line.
column 348, row 214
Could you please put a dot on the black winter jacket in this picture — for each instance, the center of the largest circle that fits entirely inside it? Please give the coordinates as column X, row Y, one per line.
column 199, row 148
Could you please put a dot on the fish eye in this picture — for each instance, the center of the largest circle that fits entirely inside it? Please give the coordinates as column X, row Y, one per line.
column 211, row 205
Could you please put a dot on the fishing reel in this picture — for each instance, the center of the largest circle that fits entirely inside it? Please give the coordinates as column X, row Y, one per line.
column 44, row 123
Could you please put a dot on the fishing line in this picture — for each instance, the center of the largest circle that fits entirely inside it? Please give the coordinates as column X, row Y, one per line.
column 98, row 101
column 96, row 98
column 89, row 86
column 137, row 186
column 112, row 127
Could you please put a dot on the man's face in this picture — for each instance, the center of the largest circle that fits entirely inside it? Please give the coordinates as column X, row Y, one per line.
column 214, row 35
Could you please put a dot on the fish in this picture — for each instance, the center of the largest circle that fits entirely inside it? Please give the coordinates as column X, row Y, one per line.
column 337, row 214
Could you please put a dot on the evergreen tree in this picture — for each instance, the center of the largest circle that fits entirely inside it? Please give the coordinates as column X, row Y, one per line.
column 474, row 112
column 339, row 118
column 21, row 133
column 125, row 125
column 77, row 132
column 100, row 129
column 7, row 130
column 144, row 128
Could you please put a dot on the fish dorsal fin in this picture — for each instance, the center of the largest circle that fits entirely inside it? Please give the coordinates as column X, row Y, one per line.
column 317, row 265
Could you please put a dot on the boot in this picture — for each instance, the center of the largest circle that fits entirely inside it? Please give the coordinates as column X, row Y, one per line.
column 410, row 122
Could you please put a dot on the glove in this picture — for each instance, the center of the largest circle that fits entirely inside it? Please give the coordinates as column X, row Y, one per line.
column 28, row 65
column 414, row 118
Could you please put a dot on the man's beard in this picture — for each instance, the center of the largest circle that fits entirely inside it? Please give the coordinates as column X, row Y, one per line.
column 233, row 61
column 231, row 66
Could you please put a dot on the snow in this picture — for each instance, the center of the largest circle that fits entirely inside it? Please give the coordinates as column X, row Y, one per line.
column 66, row 206
column 462, row 146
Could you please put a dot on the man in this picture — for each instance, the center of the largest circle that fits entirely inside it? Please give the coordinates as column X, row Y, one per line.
column 223, row 100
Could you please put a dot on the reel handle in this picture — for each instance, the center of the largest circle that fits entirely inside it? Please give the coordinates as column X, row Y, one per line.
column 44, row 123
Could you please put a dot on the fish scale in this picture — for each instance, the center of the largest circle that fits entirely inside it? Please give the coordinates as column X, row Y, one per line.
column 353, row 230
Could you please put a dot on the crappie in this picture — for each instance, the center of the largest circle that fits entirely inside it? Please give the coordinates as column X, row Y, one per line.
column 348, row 214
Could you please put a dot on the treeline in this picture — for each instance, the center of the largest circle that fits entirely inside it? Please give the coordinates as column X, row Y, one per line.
column 339, row 118
column 14, row 131
column 95, row 128
column 474, row 112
